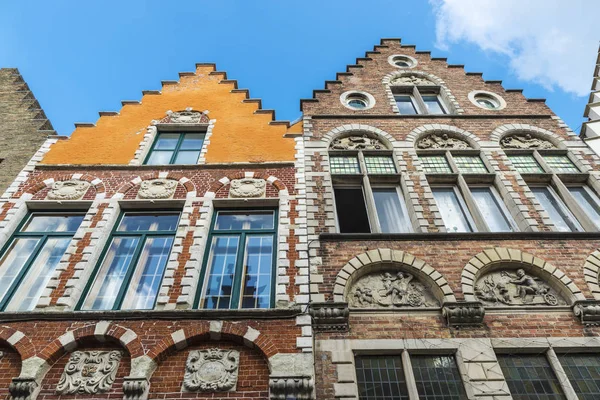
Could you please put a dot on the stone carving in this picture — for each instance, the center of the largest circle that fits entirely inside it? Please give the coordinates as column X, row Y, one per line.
column 412, row 80
column 525, row 141
column 329, row 316
column 89, row 372
column 390, row 289
column 357, row 143
column 212, row 370
column 72, row 189
column 463, row 313
column 501, row 288
column 290, row 387
column 247, row 187
column 135, row 388
column 441, row 141
column 157, row 189
column 22, row 388
column 588, row 311
column 188, row 116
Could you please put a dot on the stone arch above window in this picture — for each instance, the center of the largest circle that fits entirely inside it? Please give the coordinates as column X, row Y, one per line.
column 523, row 136
column 400, row 280
column 378, row 137
column 493, row 277
column 442, row 137
column 67, row 187
column 591, row 271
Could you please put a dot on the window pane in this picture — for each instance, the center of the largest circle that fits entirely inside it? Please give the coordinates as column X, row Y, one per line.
column 221, row 264
column 560, row 216
column 530, row 377
column 14, row 260
column 380, row 165
column 453, row 212
column 495, row 216
column 560, row 164
column 53, row 223
column 160, row 158
column 344, row 165
column 526, row 164
column 351, row 210
column 583, row 370
column 148, row 274
column 588, row 201
column 167, row 141
column 108, row 282
column 406, row 105
column 187, row 157
column 381, row 378
column 30, row 288
column 257, row 276
column 235, row 221
column 433, row 104
column 192, row 141
column 470, row 165
column 437, row 378
column 391, row 211
column 435, row 164
column 134, row 222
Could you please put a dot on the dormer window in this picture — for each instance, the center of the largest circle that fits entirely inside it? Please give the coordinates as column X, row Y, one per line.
column 416, row 95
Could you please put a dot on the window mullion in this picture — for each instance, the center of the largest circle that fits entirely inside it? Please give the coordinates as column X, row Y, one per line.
column 419, row 100
column 563, row 380
column 177, row 147
column 409, row 376
column 368, row 195
column 478, row 219
column 236, row 300
column 538, row 157
column 129, row 273
column 451, row 162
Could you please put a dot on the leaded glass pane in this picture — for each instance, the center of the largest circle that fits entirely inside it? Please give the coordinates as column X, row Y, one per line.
column 583, row 371
column 560, row 163
column 380, row 165
column 470, row 165
column 437, row 378
column 381, row 378
column 344, row 165
column 526, row 164
column 530, row 377
column 435, row 164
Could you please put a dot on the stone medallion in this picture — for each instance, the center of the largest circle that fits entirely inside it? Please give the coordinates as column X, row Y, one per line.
column 157, row 189
column 247, row 187
column 212, row 370
column 89, row 372
column 72, row 189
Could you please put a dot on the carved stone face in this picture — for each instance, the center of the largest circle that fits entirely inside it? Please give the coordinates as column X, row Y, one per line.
column 248, row 187
column 68, row 190
column 157, row 189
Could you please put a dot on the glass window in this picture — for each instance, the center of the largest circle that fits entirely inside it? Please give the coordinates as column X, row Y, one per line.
column 526, row 164
column 406, row 105
column 530, row 377
column 351, row 210
column 391, row 211
column 559, row 213
column 492, row 210
column 435, row 164
column 486, row 103
column 437, row 378
column 240, row 261
column 381, row 378
column 454, row 211
column 470, row 165
column 433, row 104
column 176, row 148
column 380, row 165
column 31, row 257
column 344, row 165
column 583, row 370
column 132, row 267
column 589, row 201
column 560, row 163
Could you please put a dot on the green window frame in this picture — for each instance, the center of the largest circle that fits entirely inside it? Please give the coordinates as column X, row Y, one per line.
column 176, row 143
column 139, row 241
column 214, row 297
column 30, row 257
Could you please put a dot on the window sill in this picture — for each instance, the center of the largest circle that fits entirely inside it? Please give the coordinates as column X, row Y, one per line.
column 443, row 236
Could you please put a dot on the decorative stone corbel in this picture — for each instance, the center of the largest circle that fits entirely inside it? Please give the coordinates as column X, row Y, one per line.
column 135, row 388
column 290, row 387
column 588, row 311
column 22, row 388
column 463, row 313
column 329, row 316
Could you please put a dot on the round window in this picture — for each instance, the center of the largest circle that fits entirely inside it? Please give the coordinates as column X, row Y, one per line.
column 487, row 100
column 402, row 61
column 357, row 100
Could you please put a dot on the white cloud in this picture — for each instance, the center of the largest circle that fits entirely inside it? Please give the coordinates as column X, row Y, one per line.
column 550, row 42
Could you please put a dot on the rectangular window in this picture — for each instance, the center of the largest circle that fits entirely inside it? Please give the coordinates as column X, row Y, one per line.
column 347, row 165
column 560, row 164
column 470, row 165
column 381, row 378
column 435, row 164
column 530, row 377
column 583, row 371
column 454, row 211
column 240, row 260
column 380, row 165
column 176, row 148
column 526, row 164
column 406, row 105
column 437, row 378
column 391, row 211
column 589, row 201
column 351, row 210
column 31, row 257
column 433, row 104
column 132, row 267
column 493, row 211
column 557, row 210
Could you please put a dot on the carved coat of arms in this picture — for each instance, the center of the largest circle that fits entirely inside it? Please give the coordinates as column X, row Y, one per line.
column 68, row 190
column 212, row 370
column 157, row 189
column 89, row 372
column 247, row 187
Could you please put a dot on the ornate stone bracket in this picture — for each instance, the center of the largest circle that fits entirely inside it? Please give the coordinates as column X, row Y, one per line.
column 22, row 388
column 463, row 313
column 588, row 311
column 135, row 388
column 291, row 387
column 329, row 316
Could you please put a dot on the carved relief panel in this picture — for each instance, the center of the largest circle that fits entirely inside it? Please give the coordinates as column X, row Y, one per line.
column 390, row 289
column 72, row 189
column 441, row 141
column 212, row 370
column 412, row 80
column 248, row 187
column 357, row 143
column 188, row 116
column 89, row 372
column 515, row 287
column 523, row 141
column 157, row 189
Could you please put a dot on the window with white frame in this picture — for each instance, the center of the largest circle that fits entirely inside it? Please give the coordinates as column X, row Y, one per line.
column 417, row 95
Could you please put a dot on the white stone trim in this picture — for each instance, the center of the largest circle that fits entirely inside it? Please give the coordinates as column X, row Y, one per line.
column 591, row 272
column 370, row 99
column 503, row 130
column 413, row 61
column 494, row 96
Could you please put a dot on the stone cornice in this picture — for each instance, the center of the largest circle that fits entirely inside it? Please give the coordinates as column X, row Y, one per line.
column 342, row 237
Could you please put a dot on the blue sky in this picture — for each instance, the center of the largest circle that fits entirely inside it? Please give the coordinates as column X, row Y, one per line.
column 81, row 57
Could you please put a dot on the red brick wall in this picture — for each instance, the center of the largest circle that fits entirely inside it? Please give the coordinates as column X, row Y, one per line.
column 10, row 366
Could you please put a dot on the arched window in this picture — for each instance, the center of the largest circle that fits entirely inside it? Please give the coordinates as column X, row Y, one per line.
column 415, row 94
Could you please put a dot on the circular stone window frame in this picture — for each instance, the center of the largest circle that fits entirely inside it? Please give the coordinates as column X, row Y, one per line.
column 493, row 96
column 393, row 58
column 346, row 96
